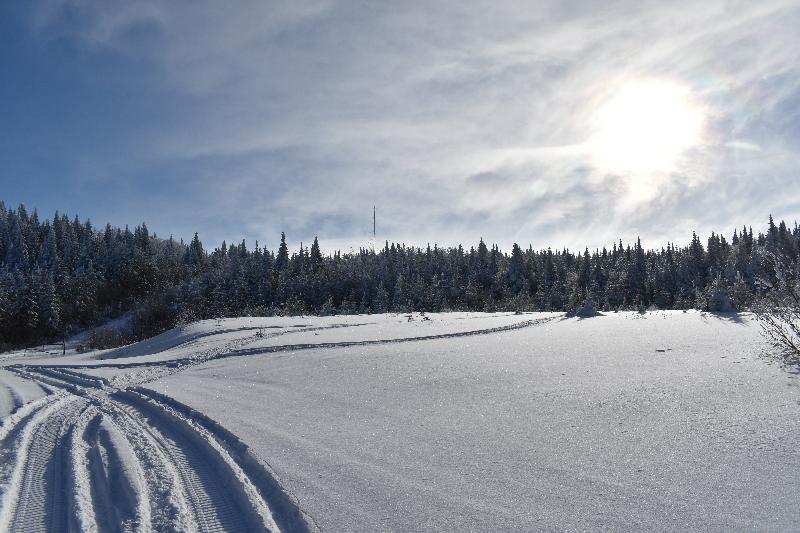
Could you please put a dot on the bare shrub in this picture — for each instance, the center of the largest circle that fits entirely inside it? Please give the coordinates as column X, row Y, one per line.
column 103, row 338
column 779, row 318
column 778, row 311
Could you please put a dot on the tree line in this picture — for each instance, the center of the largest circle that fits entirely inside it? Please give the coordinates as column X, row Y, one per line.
column 63, row 274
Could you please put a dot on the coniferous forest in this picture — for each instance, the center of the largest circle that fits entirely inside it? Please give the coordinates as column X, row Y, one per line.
column 61, row 275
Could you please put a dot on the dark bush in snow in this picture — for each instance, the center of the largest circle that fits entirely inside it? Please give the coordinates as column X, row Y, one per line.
column 717, row 297
column 586, row 311
column 109, row 337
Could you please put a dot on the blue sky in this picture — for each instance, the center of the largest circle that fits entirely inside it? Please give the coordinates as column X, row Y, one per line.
column 458, row 119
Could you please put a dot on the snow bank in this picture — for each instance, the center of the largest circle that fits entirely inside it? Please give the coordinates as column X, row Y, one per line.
column 16, row 392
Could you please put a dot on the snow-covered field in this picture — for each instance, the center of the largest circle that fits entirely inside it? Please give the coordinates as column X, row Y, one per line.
column 451, row 422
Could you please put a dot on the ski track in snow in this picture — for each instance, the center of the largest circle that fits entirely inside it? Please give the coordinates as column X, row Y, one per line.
column 106, row 455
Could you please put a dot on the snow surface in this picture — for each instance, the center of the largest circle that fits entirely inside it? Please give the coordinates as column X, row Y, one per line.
column 446, row 422
column 16, row 392
column 628, row 421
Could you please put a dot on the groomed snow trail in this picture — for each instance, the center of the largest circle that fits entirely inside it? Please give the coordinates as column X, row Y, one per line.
column 92, row 457
column 41, row 504
column 97, row 454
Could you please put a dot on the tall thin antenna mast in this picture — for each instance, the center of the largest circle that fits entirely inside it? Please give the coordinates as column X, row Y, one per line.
column 373, row 222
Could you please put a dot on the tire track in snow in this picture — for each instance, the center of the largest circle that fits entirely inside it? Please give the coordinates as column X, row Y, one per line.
column 108, row 485
column 346, row 344
column 174, row 469
column 192, row 482
column 168, row 510
column 19, row 418
column 14, row 436
column 16, row 392
column 150, row 373
column 12, row 399
column 167, row 506
column 213, row 508
column 81, row 490
column 132, row 350
column 44, row 494
column 37, row 499
column 284, row 508
column 152, row 370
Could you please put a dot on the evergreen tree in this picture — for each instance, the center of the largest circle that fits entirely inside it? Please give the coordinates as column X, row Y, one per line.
column 315, row 258
column 282, row 259
column 195, row 256
column 62, row 273
column 381, row 303
column 49, row 306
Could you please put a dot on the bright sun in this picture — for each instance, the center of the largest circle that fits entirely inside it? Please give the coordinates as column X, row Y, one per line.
column 645, row 127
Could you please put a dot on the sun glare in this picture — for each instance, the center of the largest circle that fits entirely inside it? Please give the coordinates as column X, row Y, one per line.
column 645, row 127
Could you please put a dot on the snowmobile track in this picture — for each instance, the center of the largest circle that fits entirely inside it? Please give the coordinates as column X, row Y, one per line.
column 190, row 480
column 213, row 508
column 174, row 469
column 41, row 503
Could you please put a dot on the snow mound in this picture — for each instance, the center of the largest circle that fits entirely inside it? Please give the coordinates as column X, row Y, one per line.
column 587, row 311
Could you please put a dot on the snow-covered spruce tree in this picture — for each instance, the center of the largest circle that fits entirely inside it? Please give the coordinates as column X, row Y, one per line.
column 282, row 260
column 718, row 299
column 327, row 308
column 381, row 302
column 49, row 315
column 293, row 306
column 741, row 293
column 400, row 296
column 62, row 274
column 315, row 256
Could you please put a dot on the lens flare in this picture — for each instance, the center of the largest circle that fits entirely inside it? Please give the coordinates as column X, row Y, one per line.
column 645, row 127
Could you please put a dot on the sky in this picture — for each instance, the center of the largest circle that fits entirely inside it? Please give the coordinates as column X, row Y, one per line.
column 554, row 123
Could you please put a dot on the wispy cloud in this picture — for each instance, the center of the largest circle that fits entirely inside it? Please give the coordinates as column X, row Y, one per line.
column 459, row 119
